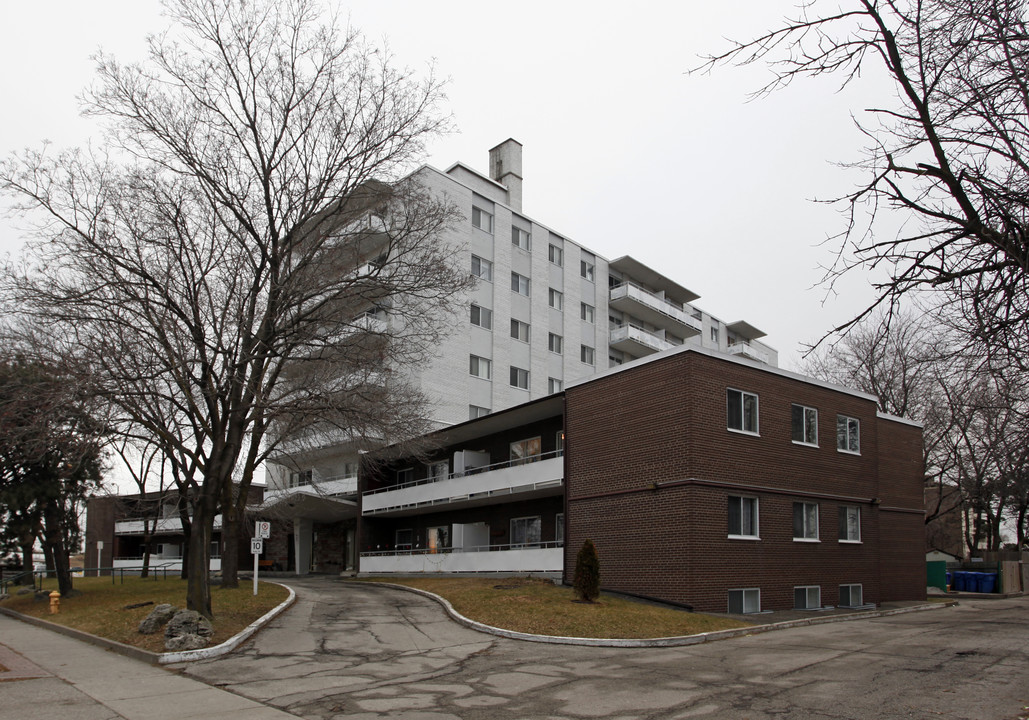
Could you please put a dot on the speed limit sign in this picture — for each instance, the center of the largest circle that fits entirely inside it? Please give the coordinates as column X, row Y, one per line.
column 256, row 546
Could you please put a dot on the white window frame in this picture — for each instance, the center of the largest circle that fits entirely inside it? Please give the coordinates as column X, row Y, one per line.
column 808, row 534
column 844, row 526
column 559, row 528
column 850, row 592
column 588, row 270
column 529, row 450
column 714, row 335
column 435, row 546
column 555, row 385
column 477, row 411
column 397, row 545
column 521, row 239
column 528, row 543
column 436, row 471
column 742, row 395
column 556, row 255
column 808, row 425
column 755, row 517
column 480, row 367
column 520, row 330
column 482, row 268
column 843, row 444
column 481, row 317
column 482, row 219
column 555, row 343
column 811, row 592
column 516, row 376
column 520, row 284
column 556, row 299
column 587, row 313
column 752, row 593
column 587, row 355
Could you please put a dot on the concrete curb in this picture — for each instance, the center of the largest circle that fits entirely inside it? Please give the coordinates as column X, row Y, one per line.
column 665, row 641
column 160, row 658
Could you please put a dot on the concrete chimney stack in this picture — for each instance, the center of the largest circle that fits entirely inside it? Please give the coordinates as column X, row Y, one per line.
column 505, row 167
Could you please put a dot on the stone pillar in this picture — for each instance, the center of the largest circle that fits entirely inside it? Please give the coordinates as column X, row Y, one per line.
column 302, row 537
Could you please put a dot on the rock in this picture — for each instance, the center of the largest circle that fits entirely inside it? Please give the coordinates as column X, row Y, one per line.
column 157, row 618
column 188, row 622
column 25, row 591
column 184, row 642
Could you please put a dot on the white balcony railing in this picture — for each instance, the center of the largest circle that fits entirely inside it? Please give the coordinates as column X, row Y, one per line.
column 527, row 475
column 747, row 350
column 334, row 485
column 656, row 303
column 639, row 336
column 165, row 526
column 540, row 557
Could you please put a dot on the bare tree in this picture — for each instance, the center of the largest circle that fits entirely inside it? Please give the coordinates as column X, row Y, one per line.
column 212, row 266
column 948, row 150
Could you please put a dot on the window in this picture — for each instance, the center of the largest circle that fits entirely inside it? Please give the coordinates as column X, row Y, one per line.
column 554, row 385
column 482, row 219
column 557, row 255
column 482, row 269
column 349, row 469
column 519, row 238
column 482, row 317
column 714, row 335
column 850, row 523
column 437, row 538
column 525, row 531
column 559, row 528
column 519, row 378
column 555, row 343
column 557, row 300
column 519, row 330
column 807, row 597
column 587, row 312
column 743, row 517
column 405, row 539
column 848, row 434
column 587, row 354
column 805, row 521
column 742, row 411
column 526, row 451
column 519, row 284
column 437, row 470
column 477, row 411
column 586, row 269
column 743, row 602
column 405, row 476
column 479, row 367
column 298, row 479
column 851, row 596
column 804, row 422
column 559, row 442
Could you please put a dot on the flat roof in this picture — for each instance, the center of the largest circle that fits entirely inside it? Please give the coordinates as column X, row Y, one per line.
column 651, row 277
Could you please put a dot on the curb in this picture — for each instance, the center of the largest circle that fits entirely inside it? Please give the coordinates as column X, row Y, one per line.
column 677, row 641
column 160, row 658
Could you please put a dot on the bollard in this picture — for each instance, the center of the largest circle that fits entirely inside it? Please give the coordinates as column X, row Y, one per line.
column 55, row 602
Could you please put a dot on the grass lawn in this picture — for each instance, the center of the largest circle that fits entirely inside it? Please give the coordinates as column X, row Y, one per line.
column 537, row 606
column 101, row 608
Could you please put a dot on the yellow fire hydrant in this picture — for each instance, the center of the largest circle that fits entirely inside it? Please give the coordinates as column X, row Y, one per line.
column 55, row 602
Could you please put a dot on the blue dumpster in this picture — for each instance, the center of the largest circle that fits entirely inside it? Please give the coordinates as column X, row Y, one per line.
column 950, row 582
column 960, row 581
column 987, row 582
column 973, row 581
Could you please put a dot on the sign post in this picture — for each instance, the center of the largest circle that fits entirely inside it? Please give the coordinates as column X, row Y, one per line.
column 256, row 547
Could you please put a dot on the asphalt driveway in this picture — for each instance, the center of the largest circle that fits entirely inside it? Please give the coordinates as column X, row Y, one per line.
column 360, row 651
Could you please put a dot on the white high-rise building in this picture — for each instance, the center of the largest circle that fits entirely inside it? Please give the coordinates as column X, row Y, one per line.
column 545, row 311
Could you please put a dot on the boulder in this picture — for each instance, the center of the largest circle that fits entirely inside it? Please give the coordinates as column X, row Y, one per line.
column 184, row 642
column 157, row 618
column 187, row 630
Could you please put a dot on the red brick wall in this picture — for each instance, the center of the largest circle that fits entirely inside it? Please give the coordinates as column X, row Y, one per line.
column 902, row 515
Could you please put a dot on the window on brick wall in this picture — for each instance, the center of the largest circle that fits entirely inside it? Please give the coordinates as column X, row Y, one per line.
column 556, row 299
column 587, row 313
column 851, row 596
column 519, row 284
column 479, row 367
column 555, row 343
column 807, row 597
column 482, row 317
column 805, row 521
column 850, row 523
column 519, row 378
column 519, row 330
column 557, row 255
column 804, row 424
column 745, row 601
column 520, row 238
column 482, row 269
column 848, row 434
column 741, row 411
column 743, row 517
column 482, row 219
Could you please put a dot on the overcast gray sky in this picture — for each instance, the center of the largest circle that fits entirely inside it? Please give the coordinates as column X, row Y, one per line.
column 623, row 151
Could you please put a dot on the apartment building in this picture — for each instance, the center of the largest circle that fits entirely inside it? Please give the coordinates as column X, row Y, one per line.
column 545, row 312
column 703, row 479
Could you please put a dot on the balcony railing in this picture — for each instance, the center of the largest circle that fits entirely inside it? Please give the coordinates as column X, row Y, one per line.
column 633, row 334
column 332, row 485
column 745, row 349
column 527, row 557
column 540, row 473
column 631, row 291
column 165, row 526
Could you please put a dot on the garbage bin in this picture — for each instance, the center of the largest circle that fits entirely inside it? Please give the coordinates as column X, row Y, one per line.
column 987, row 582
column 961, row 580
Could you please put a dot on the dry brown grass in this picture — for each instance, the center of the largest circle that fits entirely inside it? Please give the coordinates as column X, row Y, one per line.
column 537, row 606
column 100, row 609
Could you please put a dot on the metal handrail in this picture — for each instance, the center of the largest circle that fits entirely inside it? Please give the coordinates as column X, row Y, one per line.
column 474, row 548
column 470, row 471
column 116, row 572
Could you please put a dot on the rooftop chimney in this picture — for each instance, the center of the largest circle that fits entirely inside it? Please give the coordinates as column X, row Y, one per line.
column 505, row 167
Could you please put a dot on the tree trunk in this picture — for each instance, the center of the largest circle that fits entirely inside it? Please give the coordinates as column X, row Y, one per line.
column 54, row 539
column 198, row 560
column 27, row 565
column 231, row 527
column 48, row 560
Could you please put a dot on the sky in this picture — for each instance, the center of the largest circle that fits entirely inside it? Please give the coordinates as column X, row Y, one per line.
column 624, row 151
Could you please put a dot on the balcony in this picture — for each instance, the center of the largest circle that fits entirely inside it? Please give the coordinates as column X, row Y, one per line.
column 334, row 485
column 537, row 558
column 539, row 476
column 165, row 526
column 634, row 300
column 636, row 341
column 747, row 350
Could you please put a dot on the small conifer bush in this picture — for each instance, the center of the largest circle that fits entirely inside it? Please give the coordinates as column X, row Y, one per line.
column 587, row 573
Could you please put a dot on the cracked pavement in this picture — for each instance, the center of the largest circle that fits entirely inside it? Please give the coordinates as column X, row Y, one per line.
column 353, row 650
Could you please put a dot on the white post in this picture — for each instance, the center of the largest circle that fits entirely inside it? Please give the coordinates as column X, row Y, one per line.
column 256, row 556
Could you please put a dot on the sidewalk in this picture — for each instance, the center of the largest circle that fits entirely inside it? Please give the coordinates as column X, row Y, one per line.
column 44, row 675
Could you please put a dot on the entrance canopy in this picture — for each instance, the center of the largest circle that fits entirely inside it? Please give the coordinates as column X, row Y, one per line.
column 305, row 505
